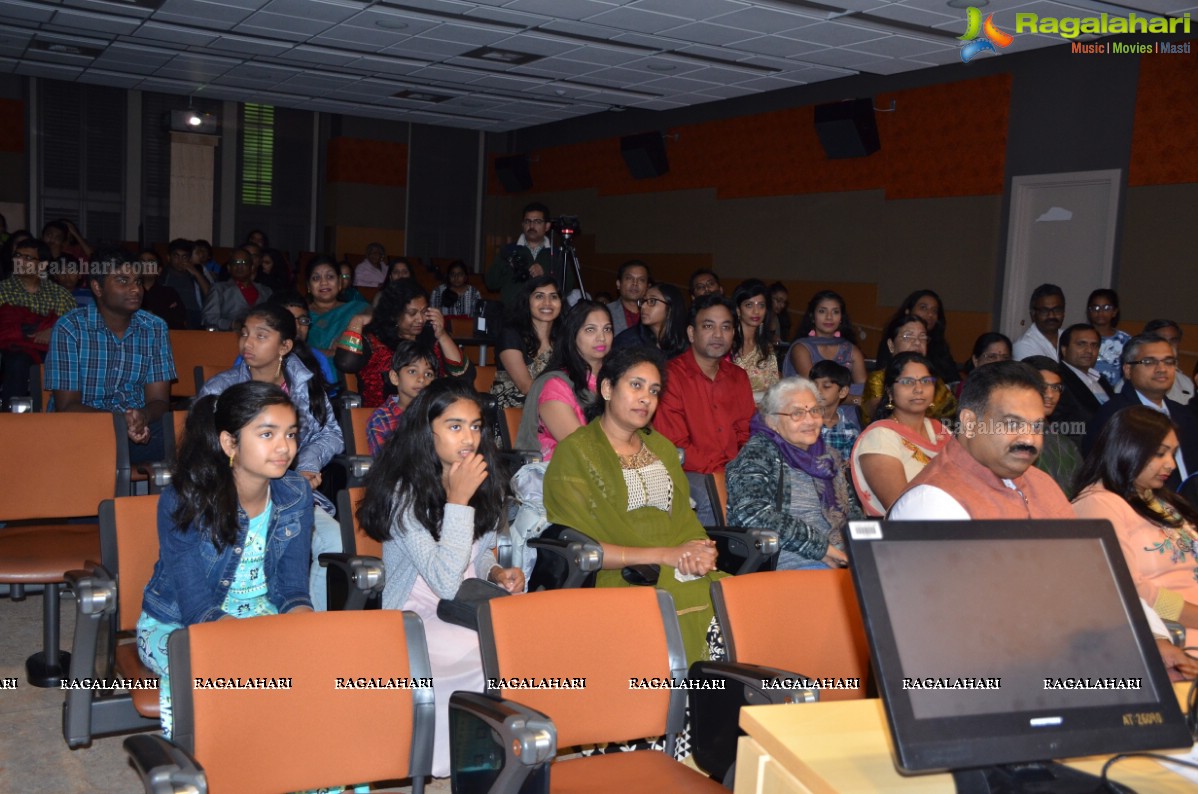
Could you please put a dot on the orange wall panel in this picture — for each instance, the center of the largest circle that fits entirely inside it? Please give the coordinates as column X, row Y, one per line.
column 941, row 140
column 12, row 125
column 367, row 162
column 1162, row 140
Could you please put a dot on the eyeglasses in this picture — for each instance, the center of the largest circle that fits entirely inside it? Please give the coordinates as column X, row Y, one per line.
column 995, row 357
column 534, row 222
column 1153, row 363
column 303, row 320
column 346, row 276
column 1057, row 310
column 24, row 258
column 240, row 262
column 1056, row 387
column 650, row 302
column 914, row 337
column 1105, row 307
column 926, row 381
column 799, row 414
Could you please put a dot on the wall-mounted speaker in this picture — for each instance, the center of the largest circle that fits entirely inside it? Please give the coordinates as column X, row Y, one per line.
column 847, row 129
column 513, row 173
column 645, row 155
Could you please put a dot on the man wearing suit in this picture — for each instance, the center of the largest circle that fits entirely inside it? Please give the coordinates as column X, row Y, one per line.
column 632, row 281
column 1149, row 366
column 228, row 302
column 1085, row 390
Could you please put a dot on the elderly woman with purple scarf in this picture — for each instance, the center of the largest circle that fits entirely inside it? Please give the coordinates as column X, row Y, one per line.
column 786, row 479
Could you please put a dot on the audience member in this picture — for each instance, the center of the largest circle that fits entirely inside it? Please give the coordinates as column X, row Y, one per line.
column 707, row 411
column 752, row 349
column 298, row 307
column 632, row 280
column 906, row 334
column 1102, row 312
column 987, row 471
column 371, row 271
column 1060, row 456
column 662, row 325
column 330, row 316
column 902, row 439
column 435, row 501
column 1085, row 390
column 272, row 353
column 201, row 257
column 704, row 282
column 526, row 343
column 842, row 423
column 6, row 251
column 228, row 301
column 30, row 305
column 157, row 298
column 926, row 305
column 826, row 333
column 412, row 368
column 255, row 252
column 402, row 313
column 234, row 525
column 1183, row 387
column 456, row 297
column 529, row 257
column 348, row 293
column 188, row 279
column 1047, row 307
column 1149, row 367
column 114, row 357
column 557, row 399
column 399, row 268
column 988, row 348
column 620, row 483
column 258, row 238
column 275, row 271
column 787, row 479
column 64, row 239
column 779, row 314
column 1124, row 480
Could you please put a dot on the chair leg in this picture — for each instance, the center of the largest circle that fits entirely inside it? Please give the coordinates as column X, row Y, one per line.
column 47, row 667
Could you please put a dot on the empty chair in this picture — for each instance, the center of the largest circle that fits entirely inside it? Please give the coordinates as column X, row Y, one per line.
column 484, row 378
column 356, row 575
column 717, row 493
column 193, row 349
column 55, row 467
column 311, row 721
column 600, row 639
column 107, row 606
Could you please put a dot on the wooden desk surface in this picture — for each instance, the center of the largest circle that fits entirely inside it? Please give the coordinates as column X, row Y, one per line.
column 843, row 747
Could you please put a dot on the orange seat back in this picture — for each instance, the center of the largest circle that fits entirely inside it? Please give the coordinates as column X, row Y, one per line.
column 358, row 419
column 758, row 631
column 129, row 549
column 354, row 539
column 484, row 378
column 267, row 740
column 605, row 636
column 193, row 349
column 721, row 491
column 513, row 417
column 56, row 465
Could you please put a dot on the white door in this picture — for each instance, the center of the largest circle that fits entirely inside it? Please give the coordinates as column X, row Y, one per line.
column 1061, row 231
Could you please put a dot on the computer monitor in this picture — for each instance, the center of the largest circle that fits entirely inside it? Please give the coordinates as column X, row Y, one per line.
column 1009, row 643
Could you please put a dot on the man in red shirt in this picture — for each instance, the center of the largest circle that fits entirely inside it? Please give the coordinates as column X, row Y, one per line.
column 708, row 402
column 632, row 281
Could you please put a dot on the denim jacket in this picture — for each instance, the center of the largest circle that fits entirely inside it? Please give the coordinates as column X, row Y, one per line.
column 192, row 578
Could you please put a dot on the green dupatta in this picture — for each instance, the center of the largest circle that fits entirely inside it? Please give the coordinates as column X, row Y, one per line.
column 584, row 489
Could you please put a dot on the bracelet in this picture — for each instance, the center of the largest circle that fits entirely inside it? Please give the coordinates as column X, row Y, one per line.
column 621, row 556
column 351, row 341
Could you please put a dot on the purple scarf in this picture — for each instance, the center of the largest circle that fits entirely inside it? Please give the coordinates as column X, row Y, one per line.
column 815, row 461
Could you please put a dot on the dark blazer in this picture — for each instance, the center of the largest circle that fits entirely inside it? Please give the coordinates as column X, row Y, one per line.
column 1183, row 419
column 1078, row 403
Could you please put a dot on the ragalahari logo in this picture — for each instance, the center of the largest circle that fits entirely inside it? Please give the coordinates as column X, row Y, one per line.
column 980, row 37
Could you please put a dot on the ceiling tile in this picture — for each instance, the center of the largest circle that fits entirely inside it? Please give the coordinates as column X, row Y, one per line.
column 776, row 45
column 465, row 34
column 536, row 45
column 109, row 7
column 173, row 34
column 276, row 26
column 707, row 34
column 903, row 46
column 834, row 34
column 246, row 45
column 322, row 55
column 54, row 71
column 29, row 12
column 561, row 9
column 690, row 9
column 117, row 79
column 90, row 21
column 766, row 20
column 633, row 20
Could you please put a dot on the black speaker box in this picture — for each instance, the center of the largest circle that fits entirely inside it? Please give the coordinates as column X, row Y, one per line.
column 513, row 173
column 645, row 155
column 847, row 129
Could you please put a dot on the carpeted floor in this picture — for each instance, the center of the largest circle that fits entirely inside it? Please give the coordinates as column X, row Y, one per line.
column 33, row 755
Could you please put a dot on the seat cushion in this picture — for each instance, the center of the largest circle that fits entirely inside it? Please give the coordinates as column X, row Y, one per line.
column 41, row 554
column 647, row 771
column 128, row 666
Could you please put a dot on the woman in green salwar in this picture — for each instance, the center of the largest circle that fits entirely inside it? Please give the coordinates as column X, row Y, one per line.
column 621, row 483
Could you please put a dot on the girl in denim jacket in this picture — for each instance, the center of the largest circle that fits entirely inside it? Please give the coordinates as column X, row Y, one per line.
column 234, row 527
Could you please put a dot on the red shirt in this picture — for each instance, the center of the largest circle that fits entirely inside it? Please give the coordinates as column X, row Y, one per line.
column 630, row 318
column 249, row 292
column 708, row 419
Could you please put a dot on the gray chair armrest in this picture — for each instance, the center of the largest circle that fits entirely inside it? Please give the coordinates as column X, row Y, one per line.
column 566, row 558
column 158, row 474
column 353, row 580
column 745, row 549
column 164, row 767
column 715, row 706
column 1177, row 633
column 498, row 745
column 95, row 605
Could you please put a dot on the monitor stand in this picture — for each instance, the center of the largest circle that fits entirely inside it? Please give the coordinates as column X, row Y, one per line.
column 1043, row 777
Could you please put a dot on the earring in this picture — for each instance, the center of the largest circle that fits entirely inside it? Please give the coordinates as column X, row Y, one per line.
column 890, row 402
column 230, row 460
column 837, row 334
column 279, row 369
column 811, row 332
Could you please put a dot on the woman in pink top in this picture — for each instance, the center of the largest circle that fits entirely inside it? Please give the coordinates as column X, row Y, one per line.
column 561, row 393
column 1123, row 480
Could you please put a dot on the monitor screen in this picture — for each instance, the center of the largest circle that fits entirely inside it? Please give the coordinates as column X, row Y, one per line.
column 1002, row 642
